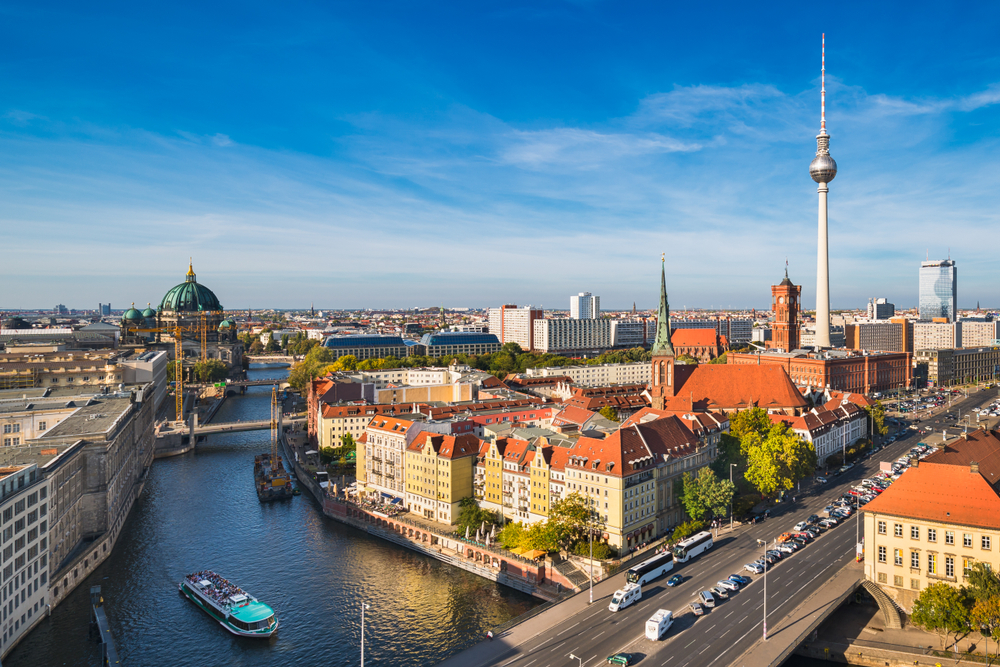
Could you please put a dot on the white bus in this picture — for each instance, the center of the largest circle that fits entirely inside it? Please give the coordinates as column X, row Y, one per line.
column 692, row 546
column 650, row 569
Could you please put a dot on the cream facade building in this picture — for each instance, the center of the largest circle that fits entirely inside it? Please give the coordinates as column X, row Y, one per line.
column 381, row 465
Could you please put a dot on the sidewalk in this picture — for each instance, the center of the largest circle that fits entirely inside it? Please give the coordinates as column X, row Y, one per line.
column 511, row 642
column 784, row 636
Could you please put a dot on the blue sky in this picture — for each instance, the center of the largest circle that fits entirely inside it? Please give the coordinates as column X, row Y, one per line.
column 399, row 154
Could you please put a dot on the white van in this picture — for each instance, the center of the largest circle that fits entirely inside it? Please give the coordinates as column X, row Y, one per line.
column 658, row 624
column 707, row 598
column 625, row 596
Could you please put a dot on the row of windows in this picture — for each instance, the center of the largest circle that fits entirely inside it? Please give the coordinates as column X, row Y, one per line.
column 985, row 541
column 932, row 561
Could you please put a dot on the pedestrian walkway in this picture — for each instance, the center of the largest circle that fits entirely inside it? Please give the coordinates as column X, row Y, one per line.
column 516, row 640
column 785, row 635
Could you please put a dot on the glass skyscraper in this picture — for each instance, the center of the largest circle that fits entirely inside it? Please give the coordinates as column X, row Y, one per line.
column 938, row 289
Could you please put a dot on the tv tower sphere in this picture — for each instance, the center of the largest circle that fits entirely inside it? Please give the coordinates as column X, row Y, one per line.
column 823, row 168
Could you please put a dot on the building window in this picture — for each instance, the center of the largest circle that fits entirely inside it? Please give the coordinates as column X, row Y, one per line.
column 949, row 566
column 882, row 578
column 966, row 539
column 915, row 559
column 949, row 537
column 897, row 580
column 932, row 534
column 914, row 532
column 897, row 556
column 931, row 563
column 881, row 527
column 915, row 584
column 897, row 529
column 881, row 554
column 986, row 542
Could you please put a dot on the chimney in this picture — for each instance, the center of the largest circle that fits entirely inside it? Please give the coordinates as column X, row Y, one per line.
column 974, row 467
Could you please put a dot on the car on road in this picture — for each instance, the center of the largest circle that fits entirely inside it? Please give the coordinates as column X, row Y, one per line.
column 729, row 585
column 720, row 592
column 822, row 480
column 674, row 580
column 754, row 567
column 740, row 579
column 787, row 548
column 620, row 659
column 801, row 525
column 706, row 598
column 829, row 523
column 696, row 609
column 813, row 518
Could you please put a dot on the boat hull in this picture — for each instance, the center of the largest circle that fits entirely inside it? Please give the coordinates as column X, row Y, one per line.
column 219, row 615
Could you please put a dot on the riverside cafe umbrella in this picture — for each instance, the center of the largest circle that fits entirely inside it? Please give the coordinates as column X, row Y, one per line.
column 466, row 532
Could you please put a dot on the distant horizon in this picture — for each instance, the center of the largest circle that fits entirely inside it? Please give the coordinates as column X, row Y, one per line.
column 520, row 152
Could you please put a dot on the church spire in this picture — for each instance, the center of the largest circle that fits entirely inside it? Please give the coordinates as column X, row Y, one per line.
column 662, row 345
column 190, row 274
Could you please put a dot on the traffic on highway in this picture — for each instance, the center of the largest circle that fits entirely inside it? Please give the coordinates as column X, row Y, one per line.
column 715, row 602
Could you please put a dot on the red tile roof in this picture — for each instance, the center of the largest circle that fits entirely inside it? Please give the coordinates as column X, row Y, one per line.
column 714, row 387
column 635, row 448
column 573, row 415
column 983, row 447
column 446, row 446
column 694, row 338
column 942, row 493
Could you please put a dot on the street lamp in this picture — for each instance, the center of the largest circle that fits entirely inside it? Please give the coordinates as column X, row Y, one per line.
column 590, row 568
column 766, row 568
column 363, row 607
column 573, row 657
column 731, row 466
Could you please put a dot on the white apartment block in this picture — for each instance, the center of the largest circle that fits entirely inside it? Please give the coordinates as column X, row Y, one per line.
column 569, row 335
column 937, row 335
column 584, row 306
column 629, row 333
column 604, row 375
column 24, row 508
column 386, row 441
column 977, row 333
column 511, row 324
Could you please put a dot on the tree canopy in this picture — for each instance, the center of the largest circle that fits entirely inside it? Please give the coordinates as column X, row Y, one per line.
column 472, row 516
column 772, row 457
column 982, row 583
column 941, row 608
column 706, row 494
column 877, row 414
column 211, row 370
column 609, row 412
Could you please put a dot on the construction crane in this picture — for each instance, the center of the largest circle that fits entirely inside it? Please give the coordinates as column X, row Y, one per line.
column 177, row 332
column 274, row 429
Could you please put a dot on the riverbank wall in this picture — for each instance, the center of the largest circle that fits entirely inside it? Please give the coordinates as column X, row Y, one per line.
column 538, row 578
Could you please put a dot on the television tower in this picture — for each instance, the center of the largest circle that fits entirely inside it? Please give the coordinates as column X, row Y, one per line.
column 823, row 169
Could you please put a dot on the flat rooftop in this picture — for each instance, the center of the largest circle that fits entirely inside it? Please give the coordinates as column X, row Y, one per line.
column 97, row 418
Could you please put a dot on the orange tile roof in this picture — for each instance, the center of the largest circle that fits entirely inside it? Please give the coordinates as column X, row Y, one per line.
column 573, row 415
column 942, row 493
column 446, row 446
column 694, row 338
column 390, row 424
column 713, row 387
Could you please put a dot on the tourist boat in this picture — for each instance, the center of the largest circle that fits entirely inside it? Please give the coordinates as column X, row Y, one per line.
column 272, row 482
column 231, row 606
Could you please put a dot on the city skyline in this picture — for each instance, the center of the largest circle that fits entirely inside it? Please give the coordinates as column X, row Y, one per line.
column 330, row 170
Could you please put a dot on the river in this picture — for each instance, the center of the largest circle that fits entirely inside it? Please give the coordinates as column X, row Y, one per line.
column 199, row 511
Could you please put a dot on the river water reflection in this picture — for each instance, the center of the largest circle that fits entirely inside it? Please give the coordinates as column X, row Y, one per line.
column 200, row 511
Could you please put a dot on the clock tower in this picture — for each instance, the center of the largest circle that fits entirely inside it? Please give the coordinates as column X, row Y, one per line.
column 785, row 305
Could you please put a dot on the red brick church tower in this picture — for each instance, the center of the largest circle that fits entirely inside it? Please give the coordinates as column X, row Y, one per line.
column 662, row 385
column 785, row 305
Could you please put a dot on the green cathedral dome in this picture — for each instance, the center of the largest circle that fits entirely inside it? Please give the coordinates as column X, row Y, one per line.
column 132, row 316
column 189, row 296
column 149, row 312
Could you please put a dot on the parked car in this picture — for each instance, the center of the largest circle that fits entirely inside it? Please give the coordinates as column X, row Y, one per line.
column 801, row 525
column 697, row 609
column 720, row 592
column 822, row 480
column 813, row 518
column 740, row 579
column 729, row 585
column 754, row 567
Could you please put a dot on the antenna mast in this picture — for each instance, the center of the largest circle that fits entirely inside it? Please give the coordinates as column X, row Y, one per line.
column 822, row 95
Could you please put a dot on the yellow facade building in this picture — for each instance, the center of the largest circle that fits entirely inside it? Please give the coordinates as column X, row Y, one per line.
column 439, row 474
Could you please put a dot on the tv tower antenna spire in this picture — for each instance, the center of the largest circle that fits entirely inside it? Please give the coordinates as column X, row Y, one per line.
column 822, row 94
column 823, row 169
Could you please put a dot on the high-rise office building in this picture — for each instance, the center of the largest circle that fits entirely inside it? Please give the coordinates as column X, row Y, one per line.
column 584, row 306
column 880, row 309
column 938, row 289
column 511, row 324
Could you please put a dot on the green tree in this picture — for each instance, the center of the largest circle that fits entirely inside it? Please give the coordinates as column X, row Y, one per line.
column 211, row 370
column 347, row 442
column 569, row 518
column 609, row 412
column 472, row 516
column 721, row 359
column 686, row 529
column 271, row 346
column 706, row 494
column 877, row 414
column 687, row 359
column 171, row 371
column 982, row 583
column 985, row 617
column 256, row 347
column 512, row 535
column 775, row 457
column 942, row 609
column 310, row 367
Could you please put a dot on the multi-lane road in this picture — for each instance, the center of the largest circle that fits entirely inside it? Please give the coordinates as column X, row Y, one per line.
column 725, row 632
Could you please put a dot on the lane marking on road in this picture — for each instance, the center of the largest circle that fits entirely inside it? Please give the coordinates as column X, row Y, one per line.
column 569, row 628
column 691, row 642
column 599, row 634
